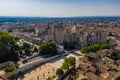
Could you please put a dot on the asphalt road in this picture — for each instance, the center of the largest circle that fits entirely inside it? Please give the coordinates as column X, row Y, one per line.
column 35, row 63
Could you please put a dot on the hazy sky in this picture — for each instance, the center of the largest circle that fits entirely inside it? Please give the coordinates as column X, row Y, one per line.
column 59, row 8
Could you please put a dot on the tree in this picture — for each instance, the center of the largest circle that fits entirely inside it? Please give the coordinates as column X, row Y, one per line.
column 13, row 55
column 8, row 69
column 7, row 47
column 105, row 46
column 95, row 48
column 65, row 66
column 26, row 45
column 35, row 49
column 13, row 75
column 27, row 51
column 3, row 52
column 69, row 62
column 47, row 48
column 7, row 39
column 20, row 73
column 72, row 60
column 59, row 71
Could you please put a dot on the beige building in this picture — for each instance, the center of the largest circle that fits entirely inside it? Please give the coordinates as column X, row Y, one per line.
column 76, row 36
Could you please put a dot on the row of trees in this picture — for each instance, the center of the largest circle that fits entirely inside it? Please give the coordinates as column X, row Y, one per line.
column 67, row 64
column 95, row 48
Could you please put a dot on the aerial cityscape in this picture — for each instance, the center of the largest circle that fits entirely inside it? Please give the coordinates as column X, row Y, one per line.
column 59, row 40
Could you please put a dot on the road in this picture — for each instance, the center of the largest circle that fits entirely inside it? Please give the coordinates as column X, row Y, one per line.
column 33, row 59
column 38, row 61
column 35, row 63
column 31, row 62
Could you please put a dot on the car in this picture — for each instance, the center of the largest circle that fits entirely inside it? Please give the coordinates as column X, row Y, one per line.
column 30, row 54
column 24, row 60
column 24, row 56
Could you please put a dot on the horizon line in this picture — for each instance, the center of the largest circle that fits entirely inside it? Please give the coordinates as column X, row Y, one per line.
column 62, row 16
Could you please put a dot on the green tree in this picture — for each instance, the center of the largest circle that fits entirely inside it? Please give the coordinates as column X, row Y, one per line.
column 8, row 69
column 72, row 61
column 7, row 45
column 68, row 62
column 35, row 49
column 20, row 73
column 13, row 55
column 47, row 48
column 105, row 46
column 27, row 51
column 26, row 45
column 95, row 48
column 59, row 71
column 3, row 52
column 65, row 66
column 13, row 75
column 7, row 39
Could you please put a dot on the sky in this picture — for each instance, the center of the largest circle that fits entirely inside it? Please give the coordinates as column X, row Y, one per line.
column 59, row 8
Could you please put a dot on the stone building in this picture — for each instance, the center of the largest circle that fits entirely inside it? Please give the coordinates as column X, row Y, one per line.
column 76, row 36
column 80, row 37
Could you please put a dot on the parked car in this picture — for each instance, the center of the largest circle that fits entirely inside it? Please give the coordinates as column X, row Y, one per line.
column 24, row 60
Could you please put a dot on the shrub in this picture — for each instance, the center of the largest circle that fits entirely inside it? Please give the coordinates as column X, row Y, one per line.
column 9, row 69
column 48, row 78
column 47, row 48
column 59, row 71
column 13, row 75
column 65, row 66
column 69, row 62
column 95, row 48
column 35, row 49
column 113, row 56
column 20, row 73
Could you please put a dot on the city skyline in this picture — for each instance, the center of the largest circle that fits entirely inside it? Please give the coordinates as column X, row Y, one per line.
column 59, row 8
